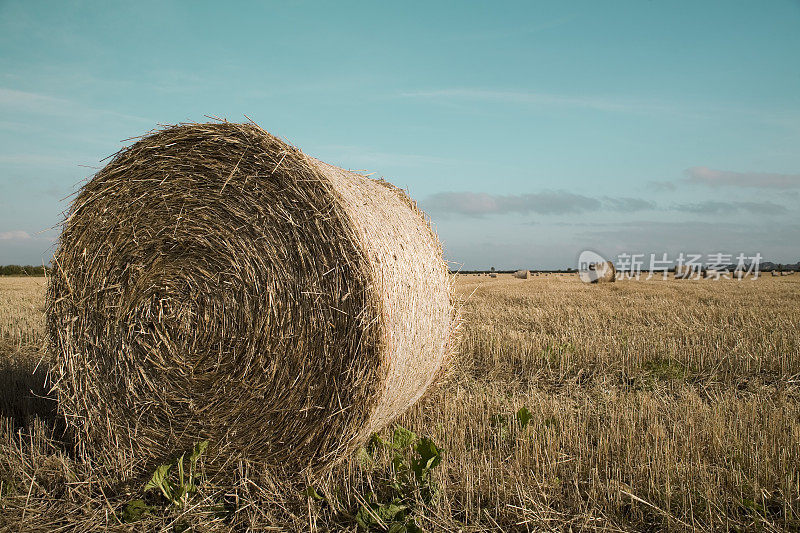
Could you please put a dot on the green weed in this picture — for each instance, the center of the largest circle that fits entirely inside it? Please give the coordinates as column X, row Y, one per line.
column 176, row 490
column 409, row 483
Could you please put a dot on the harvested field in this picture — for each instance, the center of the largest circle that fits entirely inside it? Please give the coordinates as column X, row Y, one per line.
column 680, row 412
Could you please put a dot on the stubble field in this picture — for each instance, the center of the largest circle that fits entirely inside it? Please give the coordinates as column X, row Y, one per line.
column 638, row 405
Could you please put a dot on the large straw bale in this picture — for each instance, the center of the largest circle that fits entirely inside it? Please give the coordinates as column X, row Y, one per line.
column 603, row 272
column 213, row 282
column 522, row 274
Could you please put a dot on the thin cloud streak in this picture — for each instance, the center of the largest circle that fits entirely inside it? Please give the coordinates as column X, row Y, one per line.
column 728, row 178
column 480, row 204
column 49, row 105
column 712, row 207
column 366, row 158
column 610, row 103
column 28, row 100
column 627, row 204
column 598, row 103
column 15, row 235
column 663, row 186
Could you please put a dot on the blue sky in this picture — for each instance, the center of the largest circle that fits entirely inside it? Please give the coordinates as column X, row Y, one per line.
column 528, row 131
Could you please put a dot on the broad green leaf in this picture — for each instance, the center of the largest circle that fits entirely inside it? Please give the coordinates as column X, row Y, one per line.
column 398, row 527
column 429, row 457
column 524, row 416
column 160, row 480
column 380, row 515
column 366, row 517
column 311, row 492
column 197, row 451
column 428, row 451
column 194, row 456
column 134, row 511
column 399, row 463
column 389, row 512
column 403, row 438
column 364, row 458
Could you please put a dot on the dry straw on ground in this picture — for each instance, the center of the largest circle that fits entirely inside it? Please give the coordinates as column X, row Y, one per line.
column 688, row 272
column 213, row 282
column 683, row 408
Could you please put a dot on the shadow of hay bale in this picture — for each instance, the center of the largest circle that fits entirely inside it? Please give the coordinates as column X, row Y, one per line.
column 23, row 387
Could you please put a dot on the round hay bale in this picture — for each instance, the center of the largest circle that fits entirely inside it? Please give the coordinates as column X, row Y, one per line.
column 522, row 274
column 604, row 272
column 213, row 282
column 775, row 273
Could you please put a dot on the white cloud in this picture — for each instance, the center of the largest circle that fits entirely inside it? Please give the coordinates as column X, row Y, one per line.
column 15, row 235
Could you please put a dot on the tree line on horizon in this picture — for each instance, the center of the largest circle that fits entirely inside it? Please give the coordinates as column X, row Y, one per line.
column 23, row 270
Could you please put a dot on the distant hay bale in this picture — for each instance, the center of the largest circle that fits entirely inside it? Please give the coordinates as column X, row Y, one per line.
column 522, row 274
column 775, row 273
column 712, row 273
column 492, row 275
column 213, row 282
column 604, row 272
